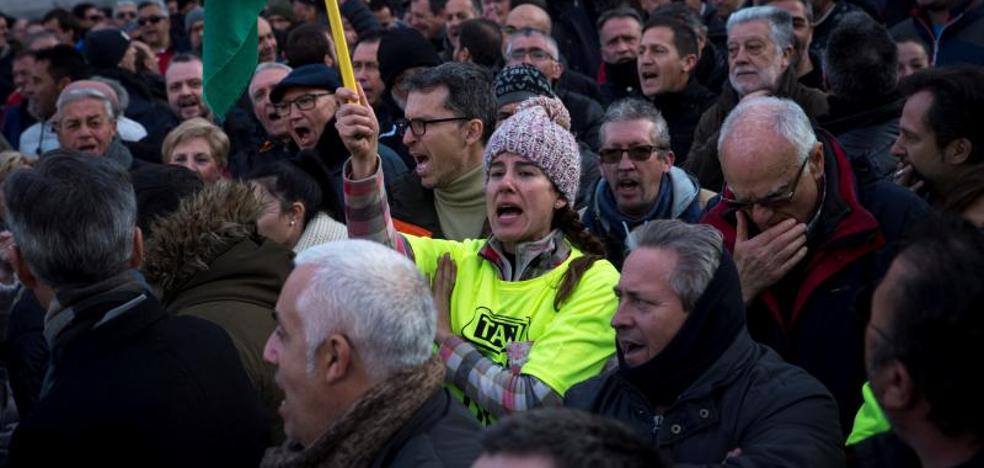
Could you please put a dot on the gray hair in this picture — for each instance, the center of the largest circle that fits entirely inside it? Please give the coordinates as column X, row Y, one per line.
column 72, row 95
column 530, row 32
column 783, row 116
column 146, row 3
column 637, row 109
column 116, row 8
column 121, row 94
column 271, row 66
column 73, row 218
column 698, row 248
column 376, row 297
column 780, row 23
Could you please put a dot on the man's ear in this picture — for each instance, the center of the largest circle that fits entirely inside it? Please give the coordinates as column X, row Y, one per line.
column 787, row 57
column 689, row 62
column 136, row 258
column 895, row 387
column 816, row 161
column 463, row 55
column 473, row 131
column 24, row 273
column 62, row 83
column 958, row 151
column 334, row 356
column 669, row 157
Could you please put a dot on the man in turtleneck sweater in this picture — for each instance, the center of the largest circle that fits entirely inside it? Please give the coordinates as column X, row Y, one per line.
column 450, row 115
column 667, row 60
column 619, row 31
column 690, row 378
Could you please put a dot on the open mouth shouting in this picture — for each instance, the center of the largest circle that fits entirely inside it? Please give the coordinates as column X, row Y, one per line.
column 304, row 135
column 507, row 213
column 189, row 107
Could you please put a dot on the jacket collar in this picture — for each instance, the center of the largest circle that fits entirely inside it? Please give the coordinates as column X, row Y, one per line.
column 531, row 260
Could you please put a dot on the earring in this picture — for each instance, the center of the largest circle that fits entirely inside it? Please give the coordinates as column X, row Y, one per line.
column 292, row 222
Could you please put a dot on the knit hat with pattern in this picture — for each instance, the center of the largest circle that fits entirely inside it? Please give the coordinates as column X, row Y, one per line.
column 540, row 131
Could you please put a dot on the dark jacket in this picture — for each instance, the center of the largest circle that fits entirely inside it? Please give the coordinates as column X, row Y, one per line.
column 208, row 261
column 867, row 128
column 962, row 39
column 682, row 111
column 703, row 158
column 586, row 117
column 619, row 81
column 25, row 353
column 712, row 68
column 144, row 387
column 678, row 199
column 824, row 27
column 749, row 399
column 580, row 84
column 16, row 119
column 887, row 450
column 815, row 316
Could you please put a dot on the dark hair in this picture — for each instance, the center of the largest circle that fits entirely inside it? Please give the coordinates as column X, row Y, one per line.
column 569, row 222
column 289, row 184
column 807, row 7
column 368, row 38
column 65, row 20
column 79, row 9
column 571, row 439
column 306, row 44
column 64, row 61
column 469, row 91
column 159, row 189
column 483, row 39
column 911, row 37
column 936, row 324
column 436, row 6
column 73, row 217
column 861, row 59
column 684, row 38
column 620, row 12
column 683, row 13
column 965, row 191
column 958, row 104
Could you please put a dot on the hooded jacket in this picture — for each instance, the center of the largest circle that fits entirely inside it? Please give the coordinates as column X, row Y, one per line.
column 816, row 315
column 207, row 260
column 961, row 40
column 678, row 198
column 712, row 390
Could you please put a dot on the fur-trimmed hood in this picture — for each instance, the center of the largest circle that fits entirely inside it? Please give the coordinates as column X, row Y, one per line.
column 189, row 247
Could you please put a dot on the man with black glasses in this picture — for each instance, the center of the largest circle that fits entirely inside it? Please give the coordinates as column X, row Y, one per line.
column 155, row 31
column 640, row 182
column 305, row 99
column 450, row 115
column 810, row 243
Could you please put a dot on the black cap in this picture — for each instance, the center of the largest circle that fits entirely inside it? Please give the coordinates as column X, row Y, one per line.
column 104, row 48
column 519, row 83
column 315, row 75
column 401, row 49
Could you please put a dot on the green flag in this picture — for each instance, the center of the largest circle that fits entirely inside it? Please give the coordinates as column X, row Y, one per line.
column 229, row 51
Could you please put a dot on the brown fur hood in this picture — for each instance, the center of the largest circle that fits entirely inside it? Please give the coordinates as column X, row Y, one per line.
column 204, row 227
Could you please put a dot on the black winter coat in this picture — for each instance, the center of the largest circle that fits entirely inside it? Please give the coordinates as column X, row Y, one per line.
column 143, row 389
column 442, row 433
column 750, row 399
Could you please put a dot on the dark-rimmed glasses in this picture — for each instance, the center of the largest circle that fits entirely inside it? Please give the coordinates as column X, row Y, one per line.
column 771, row 202
column 150, row 19
column 638, row 153
column 304, row 102
column 419, row 126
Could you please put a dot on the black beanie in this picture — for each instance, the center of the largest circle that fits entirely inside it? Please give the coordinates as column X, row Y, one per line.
column 105, row 48
column 519, row 83
column 401, row 49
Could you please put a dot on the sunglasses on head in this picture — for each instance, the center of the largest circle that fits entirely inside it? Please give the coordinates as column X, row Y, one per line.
column 150, row 19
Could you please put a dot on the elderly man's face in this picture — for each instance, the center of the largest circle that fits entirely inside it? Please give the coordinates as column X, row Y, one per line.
column 455, row 13
column 424, row 20
column 620, row 40
column 184, row 89
column 760, row 165
column 528, row 16
column 124, row 14
column 306, row 394
column 649, row 312
column 84, row 125
column 755, row 63
column 307, row 111
column 154, row 26
column 536, row 51
column 635, row 184
column 267, row 45
column 259, row 96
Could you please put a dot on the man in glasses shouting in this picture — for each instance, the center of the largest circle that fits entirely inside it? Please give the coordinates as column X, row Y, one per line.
column 810, row 243
column 640, row 182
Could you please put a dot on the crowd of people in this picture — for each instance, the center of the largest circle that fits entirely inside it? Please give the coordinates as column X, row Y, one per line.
column 539, row 234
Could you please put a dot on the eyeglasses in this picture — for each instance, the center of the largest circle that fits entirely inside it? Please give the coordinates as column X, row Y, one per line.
column 305, row 102
column 126, row 15
column 419, row 126
column 95, row 18
column 534, row 53
column 772, row 202
column 150, row 19
column 636, row 153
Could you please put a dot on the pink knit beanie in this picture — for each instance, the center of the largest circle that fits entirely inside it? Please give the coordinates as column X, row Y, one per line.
column 540, row 131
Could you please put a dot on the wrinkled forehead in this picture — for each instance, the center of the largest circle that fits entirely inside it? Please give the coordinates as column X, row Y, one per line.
column 750, row 30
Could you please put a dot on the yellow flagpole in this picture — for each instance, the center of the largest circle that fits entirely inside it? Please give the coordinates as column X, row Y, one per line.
column 341, row 47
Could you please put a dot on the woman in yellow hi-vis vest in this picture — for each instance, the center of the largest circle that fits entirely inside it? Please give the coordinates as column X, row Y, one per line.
column 531, row 306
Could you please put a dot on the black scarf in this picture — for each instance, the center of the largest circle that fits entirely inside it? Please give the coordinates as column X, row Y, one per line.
column 706, row 334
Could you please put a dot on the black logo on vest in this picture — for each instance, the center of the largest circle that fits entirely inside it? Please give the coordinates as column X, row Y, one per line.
column 493, row 331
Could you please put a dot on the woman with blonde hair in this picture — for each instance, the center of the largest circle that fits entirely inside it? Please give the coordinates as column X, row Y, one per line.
column 200, row 146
